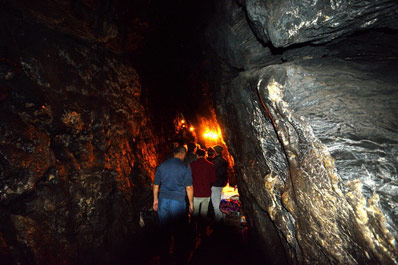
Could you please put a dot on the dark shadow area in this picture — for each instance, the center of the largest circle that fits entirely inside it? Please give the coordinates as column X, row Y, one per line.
column 226, row 243
column 170, row 62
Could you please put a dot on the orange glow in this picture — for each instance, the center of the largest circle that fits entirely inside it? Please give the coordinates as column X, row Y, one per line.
column 210, row 135
column 191, row 129
column 182, row 121
column 211, row 132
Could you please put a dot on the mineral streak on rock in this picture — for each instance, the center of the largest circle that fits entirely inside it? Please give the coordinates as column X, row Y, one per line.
column 287, row 22
column 324, row 212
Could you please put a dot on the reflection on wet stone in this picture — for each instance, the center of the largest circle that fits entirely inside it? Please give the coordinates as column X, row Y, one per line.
column 337, row 189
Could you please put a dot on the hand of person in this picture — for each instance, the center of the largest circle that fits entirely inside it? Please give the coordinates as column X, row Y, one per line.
column 191, row 208
column 155, row 205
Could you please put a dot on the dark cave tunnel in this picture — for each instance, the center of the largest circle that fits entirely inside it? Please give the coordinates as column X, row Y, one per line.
column 303, row 96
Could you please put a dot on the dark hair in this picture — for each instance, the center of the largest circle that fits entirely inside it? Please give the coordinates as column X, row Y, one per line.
column 210, row 151
column 191, row 147
column 200, row 152
column 180, row 150
column 218, row 149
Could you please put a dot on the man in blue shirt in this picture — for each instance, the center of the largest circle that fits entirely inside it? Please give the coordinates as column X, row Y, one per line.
column 173, row 179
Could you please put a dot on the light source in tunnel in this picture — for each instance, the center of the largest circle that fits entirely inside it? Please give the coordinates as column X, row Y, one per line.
column 210, row 130
column 210, row 135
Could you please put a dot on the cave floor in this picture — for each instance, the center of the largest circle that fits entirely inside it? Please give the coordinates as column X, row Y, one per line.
column 226, row 243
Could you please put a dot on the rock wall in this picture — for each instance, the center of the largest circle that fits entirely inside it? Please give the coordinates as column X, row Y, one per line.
column 76, row 145
column 284, row 23
column 312, row 128
column 317, row 171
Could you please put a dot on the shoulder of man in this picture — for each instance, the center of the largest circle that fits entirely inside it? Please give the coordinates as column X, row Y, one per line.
column 209, row 163
column 167, row 161
column 224, row 160
column 218, row 159
column 194, row 162
column 171, row 162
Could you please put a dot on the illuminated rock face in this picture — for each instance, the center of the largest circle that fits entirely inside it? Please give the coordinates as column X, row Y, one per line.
column 323, row 171
column 313, row 134
column 74, row 148
column 284, row 23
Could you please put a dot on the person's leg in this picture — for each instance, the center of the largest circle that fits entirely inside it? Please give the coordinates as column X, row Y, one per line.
column 202, row 205
column 165, row 216
column 178, row 209
column 205, row 207
column 215, row 200
column 196, row 206
column 164, row 213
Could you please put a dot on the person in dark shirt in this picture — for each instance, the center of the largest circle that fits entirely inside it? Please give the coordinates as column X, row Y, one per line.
column 210, row 154
column 173, row 180
column 191, row 155
column 221, row 167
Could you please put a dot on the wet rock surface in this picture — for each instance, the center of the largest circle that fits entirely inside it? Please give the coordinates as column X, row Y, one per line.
column 306, row 97
column 327, row 178
column 284, row 23
column 76, row 147
column 313, row 133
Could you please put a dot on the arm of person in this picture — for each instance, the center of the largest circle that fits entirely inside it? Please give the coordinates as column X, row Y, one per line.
column 189, row 187
column 155, row 197
column 156, row 185
column 189, row 190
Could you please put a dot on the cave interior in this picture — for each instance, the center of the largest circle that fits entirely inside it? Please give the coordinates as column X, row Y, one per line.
column 303, row 95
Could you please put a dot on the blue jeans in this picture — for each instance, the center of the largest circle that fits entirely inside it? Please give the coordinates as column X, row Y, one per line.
column 171, row 211
column 173, row 221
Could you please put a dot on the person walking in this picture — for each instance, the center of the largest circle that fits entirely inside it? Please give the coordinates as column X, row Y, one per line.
column 203, row 175
column 210, row 154
column 173, row 181
column 221, row 168
column 191, row 155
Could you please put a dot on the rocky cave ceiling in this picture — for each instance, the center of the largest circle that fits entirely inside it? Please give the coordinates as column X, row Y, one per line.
column 305, row 92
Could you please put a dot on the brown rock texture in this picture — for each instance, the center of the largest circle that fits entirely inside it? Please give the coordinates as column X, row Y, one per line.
column 76, row 145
